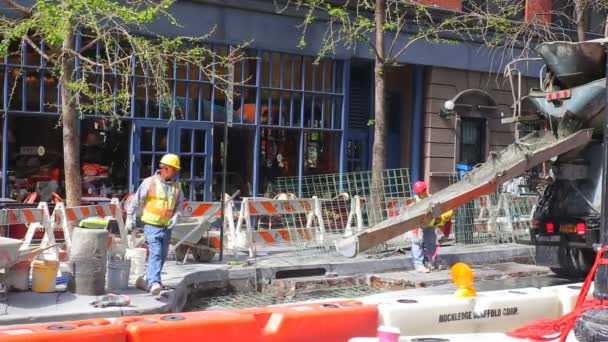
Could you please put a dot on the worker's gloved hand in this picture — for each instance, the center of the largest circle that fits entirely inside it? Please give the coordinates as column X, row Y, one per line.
column 173, row 221
column 130, row 224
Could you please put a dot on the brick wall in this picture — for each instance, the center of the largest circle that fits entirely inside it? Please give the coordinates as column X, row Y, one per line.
column 454, row 5
column 440, row 134
column 539, row 10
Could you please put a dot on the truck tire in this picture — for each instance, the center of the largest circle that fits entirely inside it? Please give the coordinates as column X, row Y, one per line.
column 574, row 262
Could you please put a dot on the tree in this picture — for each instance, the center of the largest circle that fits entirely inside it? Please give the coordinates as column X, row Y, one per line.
column 116, row 45
column 380, row 25
column 353, row 22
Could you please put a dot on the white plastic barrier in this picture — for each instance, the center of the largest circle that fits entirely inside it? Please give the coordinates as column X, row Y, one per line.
column 490, row 337
column 496, row 311
column 567, row 295
column 487, row 337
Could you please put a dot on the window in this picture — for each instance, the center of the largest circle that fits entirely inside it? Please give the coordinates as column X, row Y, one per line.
column 472, row 141
column 495, row 7
column 563, row 16
column 294, row 88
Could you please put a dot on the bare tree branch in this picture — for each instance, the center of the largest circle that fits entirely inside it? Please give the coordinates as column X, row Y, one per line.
column 38, row 50
column 19, row 8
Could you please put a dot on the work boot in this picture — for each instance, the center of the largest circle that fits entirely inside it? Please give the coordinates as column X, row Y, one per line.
column 141, row 284
column 422, row 269
column 155, row 289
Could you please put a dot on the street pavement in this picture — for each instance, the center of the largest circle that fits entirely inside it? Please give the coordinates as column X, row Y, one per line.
column 29, row 307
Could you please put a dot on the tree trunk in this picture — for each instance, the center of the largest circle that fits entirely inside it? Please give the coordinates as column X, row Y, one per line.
column 71, row 141
column 379, row 155
column 378, row 151
column 579, row 12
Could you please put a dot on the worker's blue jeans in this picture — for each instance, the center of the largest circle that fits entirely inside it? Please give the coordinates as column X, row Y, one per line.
column 424, row 248
column 158, row 239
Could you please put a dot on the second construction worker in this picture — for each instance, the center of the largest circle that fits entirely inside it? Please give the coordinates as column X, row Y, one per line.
column 160, row 198
column 424, row 239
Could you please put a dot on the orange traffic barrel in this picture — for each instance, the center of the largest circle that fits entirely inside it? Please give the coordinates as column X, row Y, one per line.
column 225, row 326
column 94, row 330
column 336, row 321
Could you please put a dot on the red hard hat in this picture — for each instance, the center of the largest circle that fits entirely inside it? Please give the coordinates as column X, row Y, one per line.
column 420, row 187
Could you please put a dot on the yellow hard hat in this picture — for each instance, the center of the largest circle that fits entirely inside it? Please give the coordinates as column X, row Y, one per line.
column 447, row 216
column 171, row 160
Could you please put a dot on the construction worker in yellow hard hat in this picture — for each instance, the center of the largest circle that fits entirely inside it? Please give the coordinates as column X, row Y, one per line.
column 160, row 198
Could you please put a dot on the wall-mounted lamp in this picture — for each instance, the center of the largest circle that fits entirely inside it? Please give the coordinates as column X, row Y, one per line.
column 448, row 109
column 472, row 99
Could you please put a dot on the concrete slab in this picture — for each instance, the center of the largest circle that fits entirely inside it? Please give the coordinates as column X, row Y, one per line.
column 413, row 279
column 29, row 307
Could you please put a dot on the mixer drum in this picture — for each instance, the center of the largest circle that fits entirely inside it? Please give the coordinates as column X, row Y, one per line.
column 574, row 64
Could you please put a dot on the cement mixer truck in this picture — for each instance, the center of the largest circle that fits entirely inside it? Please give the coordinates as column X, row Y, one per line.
column 567, row 105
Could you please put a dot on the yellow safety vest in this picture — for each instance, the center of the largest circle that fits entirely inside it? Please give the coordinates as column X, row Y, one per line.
column 159, row 206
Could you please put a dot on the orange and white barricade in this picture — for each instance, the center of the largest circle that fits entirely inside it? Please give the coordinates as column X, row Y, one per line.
column 36, row 219
column 355, row 216
column 66, row 218
column 299, row 226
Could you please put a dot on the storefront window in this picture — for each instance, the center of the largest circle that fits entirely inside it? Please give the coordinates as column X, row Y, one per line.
column 321, row 152
column 279, row 153
column 35, row 158
column 104, row 158
column 239, row 173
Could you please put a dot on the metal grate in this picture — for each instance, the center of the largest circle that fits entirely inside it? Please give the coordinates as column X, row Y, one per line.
column 251, row 300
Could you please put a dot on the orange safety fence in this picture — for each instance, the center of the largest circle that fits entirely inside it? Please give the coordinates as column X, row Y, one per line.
column 332, row 321
column 327, row 321
column 94, row 330
column 225, row 326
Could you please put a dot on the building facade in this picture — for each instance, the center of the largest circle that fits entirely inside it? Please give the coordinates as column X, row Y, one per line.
column 292, row 117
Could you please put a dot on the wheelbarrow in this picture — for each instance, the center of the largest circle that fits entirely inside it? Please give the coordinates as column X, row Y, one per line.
column 191, row 235
column 11, row 254
column 188, row 236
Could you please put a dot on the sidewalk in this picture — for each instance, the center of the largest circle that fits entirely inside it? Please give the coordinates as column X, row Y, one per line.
column 30, row 307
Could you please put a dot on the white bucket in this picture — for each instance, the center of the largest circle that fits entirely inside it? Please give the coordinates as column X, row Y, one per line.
column 138, row 262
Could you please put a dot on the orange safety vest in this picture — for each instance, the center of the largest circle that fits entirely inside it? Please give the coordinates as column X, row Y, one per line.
column 159, row 206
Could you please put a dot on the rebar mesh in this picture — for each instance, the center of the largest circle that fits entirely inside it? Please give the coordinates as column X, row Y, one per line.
column 501, row 217
column 382, row 195
column 249, row 300
column 378, row 191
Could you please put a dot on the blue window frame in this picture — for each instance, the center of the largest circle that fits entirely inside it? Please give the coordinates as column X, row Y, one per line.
column 274, row 90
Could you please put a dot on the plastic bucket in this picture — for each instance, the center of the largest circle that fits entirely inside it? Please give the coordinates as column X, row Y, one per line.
column 88, row 276
column 118, row 274
column 138, row 262
column 44, row 275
